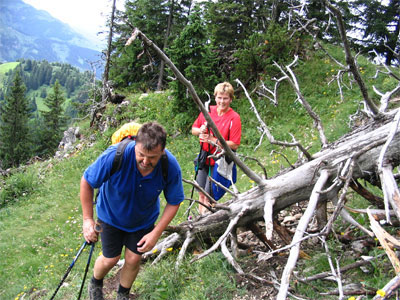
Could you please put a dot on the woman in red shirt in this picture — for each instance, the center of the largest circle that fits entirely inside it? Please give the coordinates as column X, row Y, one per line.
column 229, row 125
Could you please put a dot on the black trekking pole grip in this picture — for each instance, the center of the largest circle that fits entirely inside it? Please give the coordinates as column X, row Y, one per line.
column 69, row 269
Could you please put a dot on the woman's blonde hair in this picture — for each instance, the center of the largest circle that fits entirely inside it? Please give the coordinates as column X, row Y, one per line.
column 226, row 88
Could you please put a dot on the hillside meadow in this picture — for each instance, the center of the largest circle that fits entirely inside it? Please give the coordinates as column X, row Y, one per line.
column 40, row 214
column 73, row 82
column 4, row 68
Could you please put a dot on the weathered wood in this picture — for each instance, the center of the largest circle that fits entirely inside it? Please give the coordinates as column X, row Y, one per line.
column 295, row 185
column 388, row 290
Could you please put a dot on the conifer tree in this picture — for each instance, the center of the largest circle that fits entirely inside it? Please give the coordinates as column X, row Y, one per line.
column 130, row 65
column 193, row 54
column 14, row 131
column 381, row 27
column 230, row 23
column 54, row 121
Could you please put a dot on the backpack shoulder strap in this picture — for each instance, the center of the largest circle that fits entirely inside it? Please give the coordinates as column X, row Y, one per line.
column 119, row 155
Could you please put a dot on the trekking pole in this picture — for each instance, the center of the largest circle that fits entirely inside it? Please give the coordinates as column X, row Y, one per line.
column 86, row 270
column 69, row 269
column 207, row 106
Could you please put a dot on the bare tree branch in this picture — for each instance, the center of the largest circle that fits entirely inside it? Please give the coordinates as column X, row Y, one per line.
column 390, row 190
column 197, row 100
column 182, row 252
column 265, row 129
column 391, row 287
column 383, row 238
column 351, row 61
column 301, row 228
column 365, row 261
column 228, row 230
column 295, row 85
column 106, row 88
column 335, row 272
column 230, row 258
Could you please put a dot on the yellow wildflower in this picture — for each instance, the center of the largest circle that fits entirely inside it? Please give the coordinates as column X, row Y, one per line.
column 381, row 293
column 169, row 249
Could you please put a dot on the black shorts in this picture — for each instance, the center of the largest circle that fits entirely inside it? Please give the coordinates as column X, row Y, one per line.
column 113, row 239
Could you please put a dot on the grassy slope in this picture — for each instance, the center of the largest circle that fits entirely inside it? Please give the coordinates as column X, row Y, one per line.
column 41, row 106
column 4, row 68
column 40, row 232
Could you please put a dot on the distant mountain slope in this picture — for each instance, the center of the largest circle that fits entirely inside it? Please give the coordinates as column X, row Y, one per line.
column 26, row 32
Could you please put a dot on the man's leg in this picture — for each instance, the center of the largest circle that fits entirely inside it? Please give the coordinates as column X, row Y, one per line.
column 130, row 269
column 128, row 274
column 103, row 265
column 112, row 243
column 132, row 262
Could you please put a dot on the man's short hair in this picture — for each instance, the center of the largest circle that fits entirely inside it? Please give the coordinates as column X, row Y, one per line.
column 225, row 88
column 150, row 135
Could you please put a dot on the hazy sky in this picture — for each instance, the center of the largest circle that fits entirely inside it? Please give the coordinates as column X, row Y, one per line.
column 87, row 16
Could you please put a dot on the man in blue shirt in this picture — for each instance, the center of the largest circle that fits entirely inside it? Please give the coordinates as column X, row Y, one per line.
column 128, row 205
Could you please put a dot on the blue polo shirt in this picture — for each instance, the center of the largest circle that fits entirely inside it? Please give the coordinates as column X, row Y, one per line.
column 127, row 200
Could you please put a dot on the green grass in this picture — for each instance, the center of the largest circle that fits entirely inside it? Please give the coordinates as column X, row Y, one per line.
column 41, row 233
column 41, row 106
column 41, row 223
column 4, row 68
column 208, row 279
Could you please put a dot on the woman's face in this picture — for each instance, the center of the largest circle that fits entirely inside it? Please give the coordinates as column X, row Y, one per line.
column 223, row 101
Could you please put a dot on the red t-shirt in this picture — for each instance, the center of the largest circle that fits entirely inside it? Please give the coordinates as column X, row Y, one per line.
column 229, row 125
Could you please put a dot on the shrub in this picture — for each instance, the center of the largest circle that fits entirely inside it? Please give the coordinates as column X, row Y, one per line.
column 261, row 50
column 17, row 186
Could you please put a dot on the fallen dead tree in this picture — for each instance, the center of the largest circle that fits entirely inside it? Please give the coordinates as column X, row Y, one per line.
column 369, row 152
column 295, row 185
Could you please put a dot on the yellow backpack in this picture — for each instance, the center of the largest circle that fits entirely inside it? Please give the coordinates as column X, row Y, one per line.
column 127, row 130
column 126, row 134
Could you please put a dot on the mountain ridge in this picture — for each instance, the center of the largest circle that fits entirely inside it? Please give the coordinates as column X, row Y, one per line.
column 28, row 33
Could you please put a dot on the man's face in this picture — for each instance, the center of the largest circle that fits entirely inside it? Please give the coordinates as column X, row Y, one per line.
column 146, row 160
